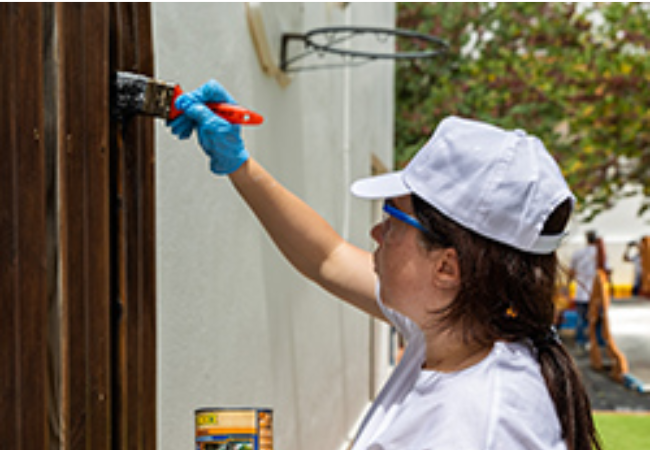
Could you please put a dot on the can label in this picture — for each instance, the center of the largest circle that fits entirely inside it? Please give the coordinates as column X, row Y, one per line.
column 234, row 429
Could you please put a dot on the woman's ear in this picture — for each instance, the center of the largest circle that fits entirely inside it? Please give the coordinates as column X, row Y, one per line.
column 447, row 269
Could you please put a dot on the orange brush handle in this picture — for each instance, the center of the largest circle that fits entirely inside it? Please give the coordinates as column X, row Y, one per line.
column 232, row 113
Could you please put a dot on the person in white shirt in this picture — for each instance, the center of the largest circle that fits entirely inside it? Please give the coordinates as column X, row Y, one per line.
column 465, row 268
column 584, row 265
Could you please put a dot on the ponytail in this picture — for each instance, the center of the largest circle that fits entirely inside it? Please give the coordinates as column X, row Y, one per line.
column 569, row 396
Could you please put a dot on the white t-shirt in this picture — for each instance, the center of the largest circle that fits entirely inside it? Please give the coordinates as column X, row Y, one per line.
column 500, row 403
column 583, row 263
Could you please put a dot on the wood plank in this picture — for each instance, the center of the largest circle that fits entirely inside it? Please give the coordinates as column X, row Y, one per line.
column 127, row 343
column 133, row 183
column 8, row 231
column 148, row 248
column 131, row 49
column 96, row 108
column 31, row 283
column 120, row 343
column 73, row 230
column 85, row 224
column 50, row 108
column 117, row 244
column 130, row 261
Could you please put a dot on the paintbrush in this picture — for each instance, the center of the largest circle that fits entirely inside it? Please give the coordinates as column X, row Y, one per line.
column 133, row 94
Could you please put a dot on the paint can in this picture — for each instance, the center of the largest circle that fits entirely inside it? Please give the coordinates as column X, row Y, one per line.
column 234, row 429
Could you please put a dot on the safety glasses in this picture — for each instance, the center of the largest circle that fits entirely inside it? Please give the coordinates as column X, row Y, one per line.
column 402, row 216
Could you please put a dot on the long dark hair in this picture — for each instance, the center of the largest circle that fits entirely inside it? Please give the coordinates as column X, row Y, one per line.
column 507, row 294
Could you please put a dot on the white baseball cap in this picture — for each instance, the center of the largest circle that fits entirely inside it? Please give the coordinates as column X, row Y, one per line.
column 500, row 184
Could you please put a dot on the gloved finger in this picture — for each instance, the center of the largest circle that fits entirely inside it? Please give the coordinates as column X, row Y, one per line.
column 212, row 91
column 182, row 127
column 187, row 132
column 203, row 116
column 184, row 101
column 180, row 124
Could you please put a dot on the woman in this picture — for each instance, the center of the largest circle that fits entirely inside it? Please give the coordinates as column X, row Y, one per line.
column 465, row 269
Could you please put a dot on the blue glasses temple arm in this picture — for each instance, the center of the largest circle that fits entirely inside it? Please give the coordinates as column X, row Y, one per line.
column 401, row 215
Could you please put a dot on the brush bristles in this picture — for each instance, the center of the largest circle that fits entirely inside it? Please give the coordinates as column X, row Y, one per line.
column 138, row 94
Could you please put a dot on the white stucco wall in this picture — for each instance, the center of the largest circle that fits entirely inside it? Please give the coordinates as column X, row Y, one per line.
column 236, row 325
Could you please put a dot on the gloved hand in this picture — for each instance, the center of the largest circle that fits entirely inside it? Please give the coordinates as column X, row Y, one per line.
column 220, row 139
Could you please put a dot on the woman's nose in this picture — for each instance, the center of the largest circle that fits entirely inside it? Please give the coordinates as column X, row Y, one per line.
column 377, row 232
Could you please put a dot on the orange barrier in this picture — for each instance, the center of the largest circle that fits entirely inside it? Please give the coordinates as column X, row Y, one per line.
column 599, row 316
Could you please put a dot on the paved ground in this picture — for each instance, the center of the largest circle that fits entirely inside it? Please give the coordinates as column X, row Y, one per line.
column 630, row 326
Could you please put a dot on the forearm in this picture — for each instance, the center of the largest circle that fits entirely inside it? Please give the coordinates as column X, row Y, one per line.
column 308, row 242
column 302, row 235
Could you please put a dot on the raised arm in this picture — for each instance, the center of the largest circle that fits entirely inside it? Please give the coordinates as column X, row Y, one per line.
column 308, row 242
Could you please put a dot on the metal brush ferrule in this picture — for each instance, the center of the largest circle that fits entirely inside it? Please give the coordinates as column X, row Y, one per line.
column 158, row 99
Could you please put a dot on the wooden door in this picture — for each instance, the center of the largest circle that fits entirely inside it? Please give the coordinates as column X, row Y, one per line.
column 77, row 231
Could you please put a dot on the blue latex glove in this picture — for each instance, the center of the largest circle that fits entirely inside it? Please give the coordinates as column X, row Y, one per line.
column 220, row 139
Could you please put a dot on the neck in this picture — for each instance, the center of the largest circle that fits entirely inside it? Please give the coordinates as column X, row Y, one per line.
column 448, row 352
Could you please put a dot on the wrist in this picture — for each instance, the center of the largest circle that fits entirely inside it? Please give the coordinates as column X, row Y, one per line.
column 240, row 171
column 226, row 164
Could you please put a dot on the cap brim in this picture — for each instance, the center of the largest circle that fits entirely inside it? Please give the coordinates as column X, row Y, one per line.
column 381, row 186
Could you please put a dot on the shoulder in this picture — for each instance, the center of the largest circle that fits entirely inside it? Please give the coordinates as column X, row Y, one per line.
column 509, row 373
column 520, row 380
column 526, row 415
column 509, row 392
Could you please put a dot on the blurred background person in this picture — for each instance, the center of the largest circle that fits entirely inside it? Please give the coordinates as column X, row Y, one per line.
column 583, row 268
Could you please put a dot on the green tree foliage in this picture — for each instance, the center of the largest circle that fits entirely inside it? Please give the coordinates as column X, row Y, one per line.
column 577, row 75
